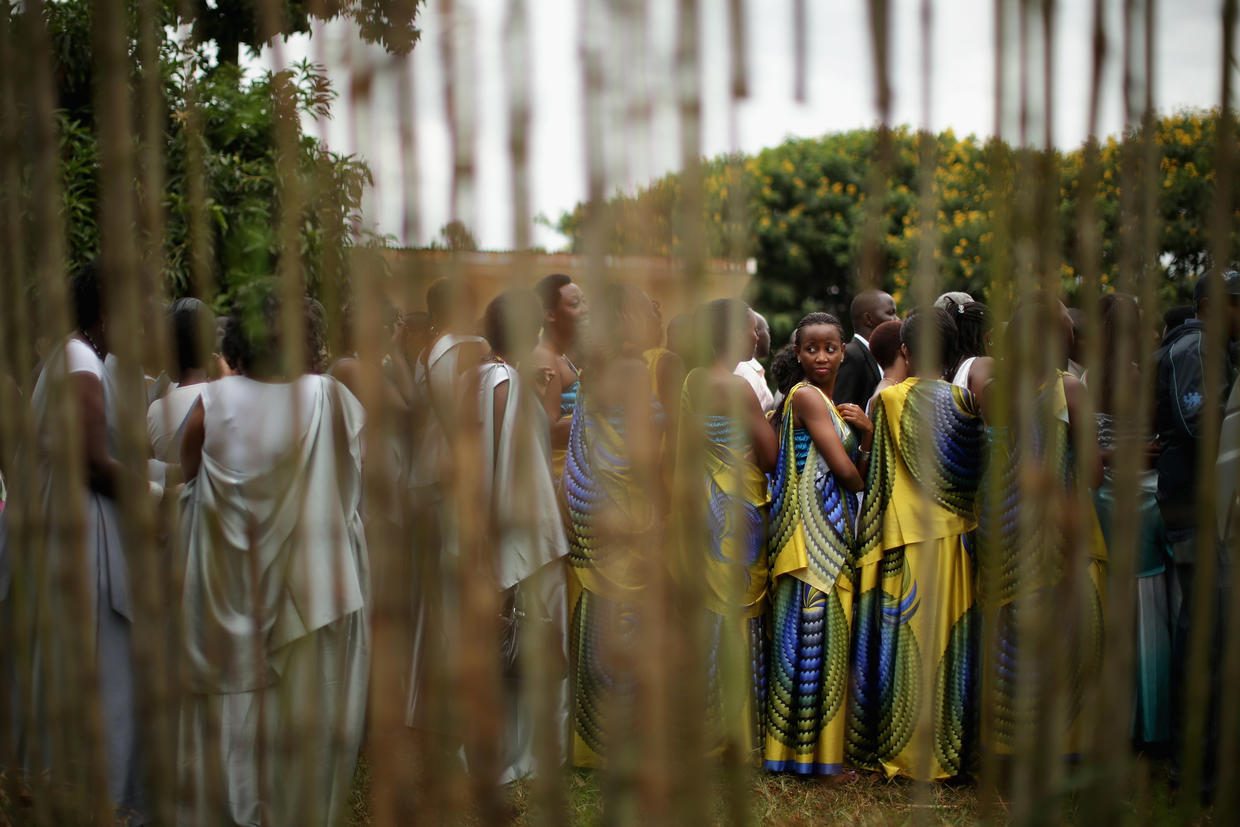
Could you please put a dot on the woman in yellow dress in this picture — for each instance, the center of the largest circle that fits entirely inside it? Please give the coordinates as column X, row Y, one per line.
column 643, row 336
column 915, row 599
column 812, row 553
column 726, row 449
column 614, row 509
column 1029, row 565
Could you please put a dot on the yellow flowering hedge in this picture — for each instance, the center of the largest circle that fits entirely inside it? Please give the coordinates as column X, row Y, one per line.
column 800, row 209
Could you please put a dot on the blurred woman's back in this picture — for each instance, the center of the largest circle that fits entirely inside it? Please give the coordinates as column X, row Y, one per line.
column 276, row 643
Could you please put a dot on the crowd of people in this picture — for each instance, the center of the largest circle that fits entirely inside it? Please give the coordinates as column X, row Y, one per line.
column 831, row 539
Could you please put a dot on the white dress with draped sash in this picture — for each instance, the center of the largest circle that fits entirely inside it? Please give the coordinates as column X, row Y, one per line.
column 276, row 642
column 437, row 387
column 55, row 668
column 530, row 547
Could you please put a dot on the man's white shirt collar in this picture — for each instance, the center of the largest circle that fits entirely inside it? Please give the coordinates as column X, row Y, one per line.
column 863, row 341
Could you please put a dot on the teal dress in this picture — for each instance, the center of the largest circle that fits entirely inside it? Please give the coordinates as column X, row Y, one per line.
column 1151, row 714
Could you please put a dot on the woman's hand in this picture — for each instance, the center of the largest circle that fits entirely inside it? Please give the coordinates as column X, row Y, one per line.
column 542, row 379
column 810, row 406
column 854, row 416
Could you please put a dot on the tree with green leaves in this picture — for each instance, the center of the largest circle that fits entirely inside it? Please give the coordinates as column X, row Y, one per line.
column 457, row 237
column 231, row 24
column 221, row 130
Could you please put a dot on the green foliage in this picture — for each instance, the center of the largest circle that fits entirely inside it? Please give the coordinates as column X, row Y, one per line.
column 1186, row 145
column 231, row 24
column 242, row 184
column 456, row 237
column 800, row 210
column 231, row 122
column 79, row 181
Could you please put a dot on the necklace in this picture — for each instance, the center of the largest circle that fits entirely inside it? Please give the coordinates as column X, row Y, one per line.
column 93, row 346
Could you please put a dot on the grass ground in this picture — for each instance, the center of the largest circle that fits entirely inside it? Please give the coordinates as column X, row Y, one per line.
column 771, row 800
column 787, row 800
column 862, row 800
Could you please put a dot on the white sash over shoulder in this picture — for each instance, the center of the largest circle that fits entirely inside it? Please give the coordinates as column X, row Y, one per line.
column 276, row 555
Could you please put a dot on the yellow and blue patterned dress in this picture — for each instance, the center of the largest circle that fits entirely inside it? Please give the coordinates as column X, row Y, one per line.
column 731, row 562
column 915, row 598
column 812, row 555
column 653, row 356
column 568, row 404
column 1023, row 558
column 612, row 524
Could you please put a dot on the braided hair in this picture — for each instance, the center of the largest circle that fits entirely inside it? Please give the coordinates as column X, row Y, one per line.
column 974, row 323
column 785, row 369
column 808, row 320
column 816, row 318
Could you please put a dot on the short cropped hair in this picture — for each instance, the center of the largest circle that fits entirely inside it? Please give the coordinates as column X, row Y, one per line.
column 885, row 343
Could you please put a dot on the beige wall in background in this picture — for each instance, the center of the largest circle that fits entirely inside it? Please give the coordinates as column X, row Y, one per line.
column 664, row 279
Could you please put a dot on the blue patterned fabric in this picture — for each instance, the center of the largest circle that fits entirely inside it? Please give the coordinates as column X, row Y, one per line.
column 724, row 430
column 568, row 398
column 913, row 702
column 812, row 554
column 800, row 445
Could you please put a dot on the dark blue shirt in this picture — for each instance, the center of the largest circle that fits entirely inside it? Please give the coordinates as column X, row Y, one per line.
column 1179, row 403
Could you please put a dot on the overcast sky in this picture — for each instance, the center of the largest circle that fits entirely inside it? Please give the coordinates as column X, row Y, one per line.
column 839, row 95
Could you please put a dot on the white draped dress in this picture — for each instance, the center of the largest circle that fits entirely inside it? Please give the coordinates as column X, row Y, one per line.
column 42, row 734
column 276, row 642
column 437, row 385
column 530, row 547
column 165, row 422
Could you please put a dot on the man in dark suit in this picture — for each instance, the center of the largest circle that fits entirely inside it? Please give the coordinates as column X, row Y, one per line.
column 860, row 373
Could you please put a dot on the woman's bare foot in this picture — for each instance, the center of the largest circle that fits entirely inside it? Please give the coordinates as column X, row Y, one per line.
column 840, row 779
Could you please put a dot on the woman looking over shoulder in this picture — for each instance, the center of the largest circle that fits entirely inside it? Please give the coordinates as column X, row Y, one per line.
column 823, row 451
